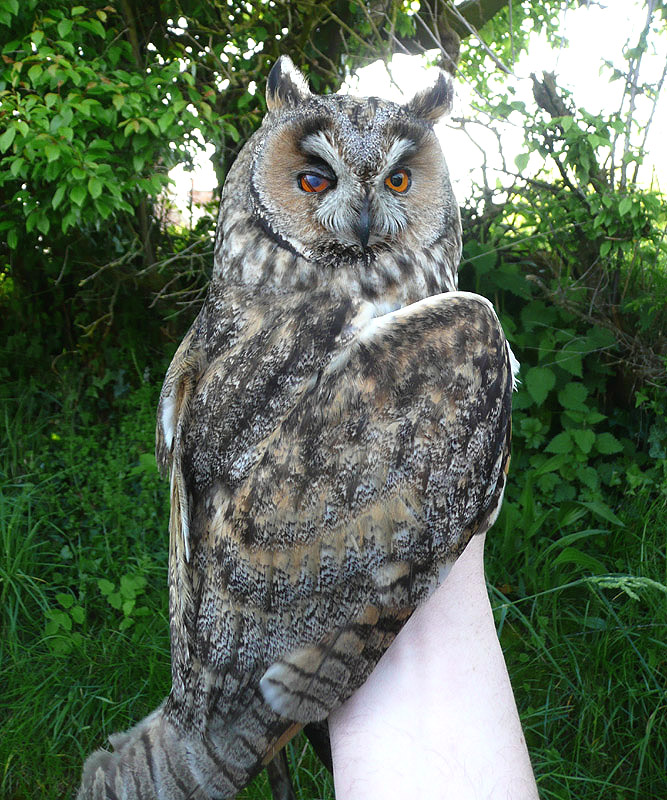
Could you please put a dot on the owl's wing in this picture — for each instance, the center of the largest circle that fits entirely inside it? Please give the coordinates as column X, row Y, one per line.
column 176, row 396
column 347, row 506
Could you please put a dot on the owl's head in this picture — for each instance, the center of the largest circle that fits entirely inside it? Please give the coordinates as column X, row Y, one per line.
column 348, row 185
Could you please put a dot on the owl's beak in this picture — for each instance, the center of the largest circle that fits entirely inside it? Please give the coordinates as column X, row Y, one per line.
column 363, row 227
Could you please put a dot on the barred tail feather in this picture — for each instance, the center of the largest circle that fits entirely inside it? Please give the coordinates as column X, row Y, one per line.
column 150, row 761
column 147, row 762
column 155, row 760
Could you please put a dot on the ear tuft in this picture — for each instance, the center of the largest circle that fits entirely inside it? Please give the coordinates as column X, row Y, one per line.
column 432, row 103
column 286, row 85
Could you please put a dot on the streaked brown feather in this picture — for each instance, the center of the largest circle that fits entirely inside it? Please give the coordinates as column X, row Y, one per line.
column 335, row 488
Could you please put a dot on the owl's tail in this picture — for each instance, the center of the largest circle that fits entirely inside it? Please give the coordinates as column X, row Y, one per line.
column 156, row 761
column 148, row 761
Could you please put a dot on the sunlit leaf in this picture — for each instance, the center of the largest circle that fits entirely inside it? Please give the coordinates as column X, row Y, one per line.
column 78, row 194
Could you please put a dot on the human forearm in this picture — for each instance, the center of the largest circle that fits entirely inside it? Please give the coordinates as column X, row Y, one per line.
column 437, row 718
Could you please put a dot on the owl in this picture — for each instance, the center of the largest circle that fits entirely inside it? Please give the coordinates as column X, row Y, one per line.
column 335, row 426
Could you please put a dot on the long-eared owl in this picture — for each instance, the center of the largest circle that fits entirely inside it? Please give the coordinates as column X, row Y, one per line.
column 335, row 426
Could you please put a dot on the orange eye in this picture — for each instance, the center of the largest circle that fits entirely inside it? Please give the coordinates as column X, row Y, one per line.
column 398, row 181
column 312, row 182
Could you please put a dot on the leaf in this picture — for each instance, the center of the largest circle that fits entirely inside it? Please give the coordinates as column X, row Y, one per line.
column 599, row 338
column 568, row 539
column 231, row 131
column 147, row 462
column 572, row 396
column 16, row 166
column 31, row 221
column 607, row 443
column 571, row 362
column 95, row 26
column 58, row 196
column 51, row 627
column 602, row 510
column 561, row 443
column 152, row 127
column 521, row 161
column 78, row 194
column 64, row 28
column 157, row 182
column 68, row 220
column 539, row 382
column 165, row 121
column 43, row 224
column 52, row 152
column 6, row 139
column 78, row 614
column 65, row 600
column 103, row 208
column 12, row 239
column 589, row 477
column 537, row 314
column 570, row 555
column 483, row 259
column 34, row 72
column 130, row 585
column 95, row 187
column 105, row 586
column 584, row 439
column 64, row 620
column 552, row 464
column 595, row 140
column 128, row 606
column 78, row 10
column 624, row 206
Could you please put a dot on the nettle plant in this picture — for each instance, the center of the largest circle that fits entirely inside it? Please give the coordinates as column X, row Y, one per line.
column 559, row 427
column 573, row 252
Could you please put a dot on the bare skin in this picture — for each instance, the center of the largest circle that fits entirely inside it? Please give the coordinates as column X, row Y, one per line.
column 437, row 718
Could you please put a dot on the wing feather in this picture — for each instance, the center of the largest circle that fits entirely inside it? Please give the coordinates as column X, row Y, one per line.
column 336, row 466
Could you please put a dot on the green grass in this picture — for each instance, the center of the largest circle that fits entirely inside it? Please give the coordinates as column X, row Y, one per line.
column 579, row 599
column 587, row 656
column 80, row 511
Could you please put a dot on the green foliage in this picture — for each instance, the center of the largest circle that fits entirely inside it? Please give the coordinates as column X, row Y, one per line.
column 82, row 127
column 504, row 37
column 574, row 258
column 576, row 558
column 90, row 127
column 82, row 583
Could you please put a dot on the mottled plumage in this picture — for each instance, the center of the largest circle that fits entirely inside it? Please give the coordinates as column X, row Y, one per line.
column 335, row 430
